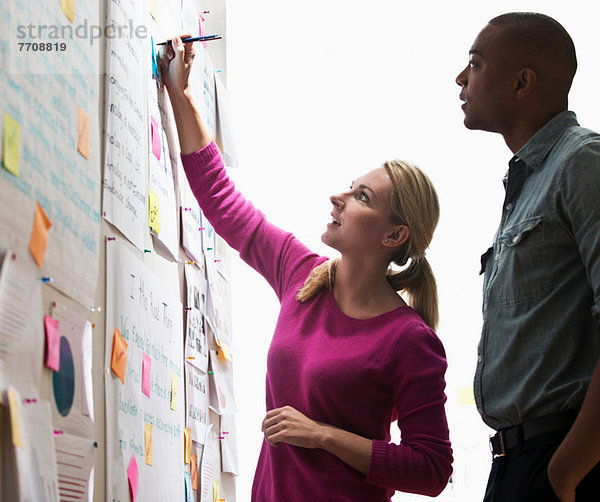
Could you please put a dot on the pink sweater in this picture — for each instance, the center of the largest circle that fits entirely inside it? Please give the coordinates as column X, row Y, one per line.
column 356, row 374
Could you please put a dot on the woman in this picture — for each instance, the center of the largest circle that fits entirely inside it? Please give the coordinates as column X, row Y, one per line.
column 348, row 355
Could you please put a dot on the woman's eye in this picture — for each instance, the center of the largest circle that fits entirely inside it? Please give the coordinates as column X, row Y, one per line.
column 362, row 196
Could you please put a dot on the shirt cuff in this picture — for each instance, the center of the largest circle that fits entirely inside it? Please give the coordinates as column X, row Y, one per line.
column 377, row 466
column 203, row 155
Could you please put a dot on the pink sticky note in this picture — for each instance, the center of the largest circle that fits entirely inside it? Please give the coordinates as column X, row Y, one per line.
column 155, row 131
column 52, row 343
column 134, row 477
column 146, row 365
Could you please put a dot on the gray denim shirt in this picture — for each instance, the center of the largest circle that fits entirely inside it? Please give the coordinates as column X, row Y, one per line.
column 541, row 292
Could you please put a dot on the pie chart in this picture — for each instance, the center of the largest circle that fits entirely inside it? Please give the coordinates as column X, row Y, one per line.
column 63, row 381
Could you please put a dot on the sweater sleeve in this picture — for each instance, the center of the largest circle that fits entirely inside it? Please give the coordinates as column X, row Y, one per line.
column 277, row 255
column 422, row 462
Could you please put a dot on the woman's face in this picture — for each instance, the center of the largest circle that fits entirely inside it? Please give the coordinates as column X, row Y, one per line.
column 361, row 216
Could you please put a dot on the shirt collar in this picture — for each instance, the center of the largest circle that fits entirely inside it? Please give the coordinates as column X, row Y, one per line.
column 539, row 145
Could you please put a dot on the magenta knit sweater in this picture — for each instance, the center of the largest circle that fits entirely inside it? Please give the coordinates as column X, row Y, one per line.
column 356, row 374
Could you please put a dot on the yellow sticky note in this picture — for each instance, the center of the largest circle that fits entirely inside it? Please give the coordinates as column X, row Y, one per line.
column 11, row 144
column 15, row 423
column 148, row 443
column 224, row 352
column 83, row 133
column 465, row 395
column 187, row 444
column 39, row 235
column 68, row 7
column 215, row 490
column 154, row 9
column 118, row 360
column 173, row 391
column 153, row 212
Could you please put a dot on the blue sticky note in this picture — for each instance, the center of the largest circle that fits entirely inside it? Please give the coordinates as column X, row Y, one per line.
column 154, row 59
column 189, row 493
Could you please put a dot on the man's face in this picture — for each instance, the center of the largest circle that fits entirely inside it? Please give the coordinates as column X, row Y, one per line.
column 487, row 83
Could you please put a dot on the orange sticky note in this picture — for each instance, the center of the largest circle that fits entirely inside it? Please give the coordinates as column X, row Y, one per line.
column 83, row 133
column 194, row 470
column 118, row 360
column 52, row 343
column 15, row 422
column 11, row 144
column 148, row 443
column 187, row 444
column 173, row 391
column 39, row 235
column 68, row 7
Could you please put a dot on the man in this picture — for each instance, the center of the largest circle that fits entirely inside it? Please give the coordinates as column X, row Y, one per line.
column 538, row 380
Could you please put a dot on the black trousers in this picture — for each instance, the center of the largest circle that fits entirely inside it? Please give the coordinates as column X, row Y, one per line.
column 521, row 475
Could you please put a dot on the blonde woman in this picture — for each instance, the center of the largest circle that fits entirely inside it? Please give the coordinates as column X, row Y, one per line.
column 348, row 355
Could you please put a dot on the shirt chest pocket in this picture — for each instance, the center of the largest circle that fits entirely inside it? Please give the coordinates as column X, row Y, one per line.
column 523, row 274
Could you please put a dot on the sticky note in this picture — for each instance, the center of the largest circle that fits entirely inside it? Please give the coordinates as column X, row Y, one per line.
column 11, row 144
column 224, row 352
column 465, row 395
column 133, row 476
column 194, row 470
column 189, row 494
column 155, row 135
column 215, row 490
column 52, row 343
column 148, row 443
column 187, row 444
column 146, row 365
column 155, row 72
column 154, row 9
column 68, row 7
column 173, row 391
column 118, row 360
column 83, row 133
column 15, row 421
column 39, row 235
column 153, row 212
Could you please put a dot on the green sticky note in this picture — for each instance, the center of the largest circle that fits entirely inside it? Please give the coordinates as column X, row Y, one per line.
column 11, row 144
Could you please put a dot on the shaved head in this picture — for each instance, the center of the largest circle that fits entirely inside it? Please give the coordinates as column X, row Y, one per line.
column 540, row 42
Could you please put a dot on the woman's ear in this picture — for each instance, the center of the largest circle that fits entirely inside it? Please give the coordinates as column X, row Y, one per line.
column 398, row 236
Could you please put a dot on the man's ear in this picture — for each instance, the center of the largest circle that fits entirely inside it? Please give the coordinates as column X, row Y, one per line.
column 526, row 82
column 398, row 236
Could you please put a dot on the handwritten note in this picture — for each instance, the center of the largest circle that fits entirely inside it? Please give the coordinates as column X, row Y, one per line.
column 153, row 212
column 133, row 477
column 39, row 235
column 146, row 365
column 11, row 144
column 52, row 343
column 148, row 443
column 118, row 361
column 83, row 133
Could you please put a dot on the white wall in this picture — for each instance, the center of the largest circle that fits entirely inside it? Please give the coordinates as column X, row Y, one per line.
column 327, row 90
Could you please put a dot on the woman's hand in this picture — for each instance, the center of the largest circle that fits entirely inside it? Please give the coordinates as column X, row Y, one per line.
column 288, row 425
column 175, row 64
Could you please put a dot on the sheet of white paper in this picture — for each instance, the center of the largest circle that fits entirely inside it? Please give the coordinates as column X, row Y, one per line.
column 192, row 226
column 43, row 93
column 125, row 190
column 211, row 467
column 196, row 343
column 196, row 402
column 149, row 317
column 161, row 180
column 36, row 460
column 218, row 313
column 75, row 460
column 224, row 135
column 221, row 396
column 21, row 325
column 229, row 456
column 78, row 332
